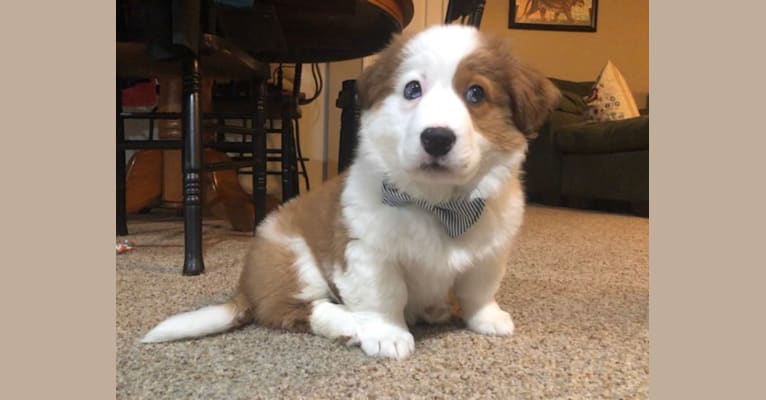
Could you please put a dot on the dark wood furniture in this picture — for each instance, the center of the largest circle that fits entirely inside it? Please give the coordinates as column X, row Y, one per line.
column 469, row 12
column 188, row 52
column 195, row 37
column 309, row 31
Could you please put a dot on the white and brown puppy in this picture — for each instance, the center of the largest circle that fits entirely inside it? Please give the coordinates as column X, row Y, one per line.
column 430, row 204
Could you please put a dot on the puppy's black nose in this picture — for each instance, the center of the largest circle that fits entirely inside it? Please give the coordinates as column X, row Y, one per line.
column 437, row 141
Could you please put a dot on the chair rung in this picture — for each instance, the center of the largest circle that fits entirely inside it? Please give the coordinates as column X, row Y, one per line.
column 233, row 147
column 270, row 159
column 178, row 115
column 241, row 130
column 229, row 165
column 270, row 173
column 151, row 144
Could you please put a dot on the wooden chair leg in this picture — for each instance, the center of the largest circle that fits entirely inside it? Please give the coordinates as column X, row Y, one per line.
column 192, row 167
column 289, row 167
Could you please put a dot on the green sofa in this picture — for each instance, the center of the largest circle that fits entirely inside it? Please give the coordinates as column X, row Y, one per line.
column 579, row 163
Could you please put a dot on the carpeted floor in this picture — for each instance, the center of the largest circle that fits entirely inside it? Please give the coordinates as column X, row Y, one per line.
column 577, row 289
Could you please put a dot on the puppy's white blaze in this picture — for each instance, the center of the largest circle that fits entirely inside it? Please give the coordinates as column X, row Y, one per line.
column 441, row 106
column 432, row 58
column 441, row 47
column 202, row 322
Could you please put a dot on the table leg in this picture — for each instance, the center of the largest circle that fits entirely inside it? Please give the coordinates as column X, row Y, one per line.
column 259, row 151
column 349, row 124
column 289, row 169
column 122, row 226
column 192, row 166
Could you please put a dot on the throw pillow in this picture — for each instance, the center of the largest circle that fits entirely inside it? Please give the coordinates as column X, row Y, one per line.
column 610, row 97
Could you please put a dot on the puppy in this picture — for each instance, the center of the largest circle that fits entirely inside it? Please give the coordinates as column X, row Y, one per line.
column 429, row 206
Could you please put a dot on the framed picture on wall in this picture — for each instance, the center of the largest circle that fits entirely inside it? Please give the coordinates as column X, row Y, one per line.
column 553, row 15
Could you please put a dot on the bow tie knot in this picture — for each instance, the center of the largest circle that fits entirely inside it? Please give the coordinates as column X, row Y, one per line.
column 456, row 216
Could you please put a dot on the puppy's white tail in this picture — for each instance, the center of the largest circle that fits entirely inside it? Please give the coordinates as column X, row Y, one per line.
column 205, row 321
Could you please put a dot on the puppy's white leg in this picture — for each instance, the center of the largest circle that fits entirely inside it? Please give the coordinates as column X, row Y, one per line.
column 475, row 291
column 374, row 295
column 334, row 321
column 376, row 335
column 381, row 337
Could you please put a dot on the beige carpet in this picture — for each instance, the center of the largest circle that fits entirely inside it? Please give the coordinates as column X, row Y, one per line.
column 577, row 289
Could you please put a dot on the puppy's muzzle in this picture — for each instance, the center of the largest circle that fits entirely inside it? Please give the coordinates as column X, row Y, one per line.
column 437, row 141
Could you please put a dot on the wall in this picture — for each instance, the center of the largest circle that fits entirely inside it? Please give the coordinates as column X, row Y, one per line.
column 622, row 35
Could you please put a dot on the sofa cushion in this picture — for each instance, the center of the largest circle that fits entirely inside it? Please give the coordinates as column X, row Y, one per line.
column 562, row 118
column 603, row 137
column 573, row 103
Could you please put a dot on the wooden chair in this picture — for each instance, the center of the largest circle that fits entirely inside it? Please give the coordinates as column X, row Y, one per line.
column 164, row 39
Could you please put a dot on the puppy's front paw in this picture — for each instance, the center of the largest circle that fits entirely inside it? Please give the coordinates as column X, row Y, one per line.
column 491, row 320
column 381, row 339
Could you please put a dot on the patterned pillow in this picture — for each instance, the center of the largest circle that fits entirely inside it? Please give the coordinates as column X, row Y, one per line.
column 610, row 97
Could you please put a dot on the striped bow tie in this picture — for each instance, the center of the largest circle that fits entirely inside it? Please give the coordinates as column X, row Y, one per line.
column 457, row 216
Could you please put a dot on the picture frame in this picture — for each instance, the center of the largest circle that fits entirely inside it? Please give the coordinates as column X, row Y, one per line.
column 553, row 15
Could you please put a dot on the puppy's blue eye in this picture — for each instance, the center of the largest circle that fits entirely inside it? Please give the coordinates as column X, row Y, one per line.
column 412, row 90
column 474, row 94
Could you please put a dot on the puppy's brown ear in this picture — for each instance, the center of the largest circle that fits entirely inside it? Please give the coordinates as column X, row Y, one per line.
column 533, row 98
column 377, row 80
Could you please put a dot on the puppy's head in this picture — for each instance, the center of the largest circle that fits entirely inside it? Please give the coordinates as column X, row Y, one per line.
column 446, row 105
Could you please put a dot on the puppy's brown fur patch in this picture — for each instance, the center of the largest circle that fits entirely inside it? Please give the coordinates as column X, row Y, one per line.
column 514, row 93
column 239, row 306
column 377, row 81
column 316, row 217
column 269, row 280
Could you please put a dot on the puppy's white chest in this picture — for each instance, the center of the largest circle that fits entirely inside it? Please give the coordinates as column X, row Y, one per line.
column 421, row 240
column 432, row 262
